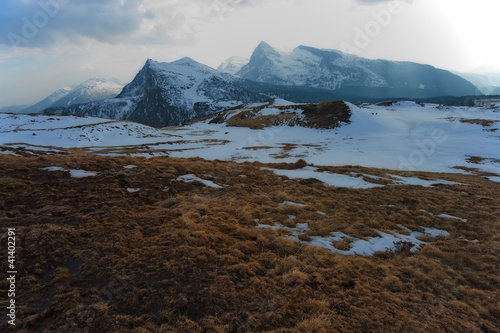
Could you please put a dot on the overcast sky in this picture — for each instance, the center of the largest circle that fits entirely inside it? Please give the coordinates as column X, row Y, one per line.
column 49, row 44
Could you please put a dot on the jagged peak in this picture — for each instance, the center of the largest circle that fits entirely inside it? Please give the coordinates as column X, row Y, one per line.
column 263, row 51
column 150, row 62
column 266, row 47
column 264, row 44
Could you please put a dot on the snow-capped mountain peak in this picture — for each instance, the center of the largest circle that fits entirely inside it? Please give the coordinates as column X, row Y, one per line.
column 93, row 89
column 266, row 48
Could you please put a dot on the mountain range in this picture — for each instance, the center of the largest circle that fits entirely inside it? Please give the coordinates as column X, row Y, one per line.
column 164, row 94
column 349, row 75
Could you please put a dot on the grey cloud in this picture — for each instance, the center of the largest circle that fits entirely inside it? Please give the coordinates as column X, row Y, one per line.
column 42, row 23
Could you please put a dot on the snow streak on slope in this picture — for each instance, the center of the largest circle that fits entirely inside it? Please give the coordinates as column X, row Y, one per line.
column 404, row 136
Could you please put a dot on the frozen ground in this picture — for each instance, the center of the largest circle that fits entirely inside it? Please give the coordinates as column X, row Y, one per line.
column 403, row 136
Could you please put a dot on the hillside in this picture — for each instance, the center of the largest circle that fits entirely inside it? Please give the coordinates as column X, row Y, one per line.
column 186, row 245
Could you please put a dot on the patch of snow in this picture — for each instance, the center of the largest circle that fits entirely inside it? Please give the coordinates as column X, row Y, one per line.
column 446, row 216
column 422, row 182
column 302, row 226
column 193, row 178
column 494, row 179
column 329, row 179
column 53, row 168
column 289, row 203
column 435, row 232
column 385, row 241
column 82, row 173
column 133, row 190
column 73, row 173
column 128, row 167
column 275, row 227
column 368, row 176
column 282, row 102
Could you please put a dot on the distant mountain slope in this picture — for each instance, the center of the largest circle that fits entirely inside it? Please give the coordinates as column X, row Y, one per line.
column 48, row 101
column 12, row 108
column 94, row 89
column 351, row 75
column 233, row 65
column 164, row 94
column 488, row 84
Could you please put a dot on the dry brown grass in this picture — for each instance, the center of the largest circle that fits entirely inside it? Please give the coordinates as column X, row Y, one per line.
column 482, row 122
column 182, row 257
column 325, row 115
column 248, row 119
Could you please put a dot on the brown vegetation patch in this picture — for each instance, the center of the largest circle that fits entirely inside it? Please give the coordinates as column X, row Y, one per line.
column 343, row 245
column 250, row 120
column 481, row 160
column 327, row 115
column 482, row 122
column 183, row 257
column 387, row 103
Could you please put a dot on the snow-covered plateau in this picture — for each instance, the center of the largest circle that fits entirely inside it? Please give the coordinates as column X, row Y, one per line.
column 402, row 136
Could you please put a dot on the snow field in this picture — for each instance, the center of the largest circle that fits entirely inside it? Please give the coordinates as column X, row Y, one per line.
column 404, row 136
